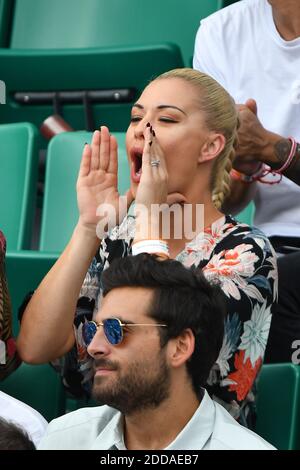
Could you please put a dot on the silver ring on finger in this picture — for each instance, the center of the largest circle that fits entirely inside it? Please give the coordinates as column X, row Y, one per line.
column 155, row 163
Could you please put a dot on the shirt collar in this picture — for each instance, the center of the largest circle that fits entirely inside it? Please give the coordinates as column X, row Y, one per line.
column 193, row 436
column 199, row 429
column 111, row 436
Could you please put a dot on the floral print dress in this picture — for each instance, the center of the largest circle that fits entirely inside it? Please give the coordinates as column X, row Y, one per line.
column 243, row 261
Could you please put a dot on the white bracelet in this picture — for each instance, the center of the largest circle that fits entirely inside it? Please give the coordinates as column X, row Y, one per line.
column 150, row 246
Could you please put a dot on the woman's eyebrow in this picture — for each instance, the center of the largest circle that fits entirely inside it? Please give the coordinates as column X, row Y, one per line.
column 162, row 106
column 137, row 105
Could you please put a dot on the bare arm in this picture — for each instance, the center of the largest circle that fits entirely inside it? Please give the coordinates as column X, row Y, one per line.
column 46, row 331
column 47, row 325
column 279, row 151
column 266, row 146
column 274, row 153
column 257, row 145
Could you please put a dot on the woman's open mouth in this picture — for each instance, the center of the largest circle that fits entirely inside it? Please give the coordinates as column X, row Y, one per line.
column 136, row 165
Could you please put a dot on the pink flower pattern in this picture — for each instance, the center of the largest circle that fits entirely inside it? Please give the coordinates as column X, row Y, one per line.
column 232, row 268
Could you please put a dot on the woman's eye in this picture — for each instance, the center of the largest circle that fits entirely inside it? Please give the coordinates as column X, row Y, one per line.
column 135, row 118
column 163, row 119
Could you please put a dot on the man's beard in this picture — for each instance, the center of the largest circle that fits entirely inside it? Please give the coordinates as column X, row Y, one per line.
column 142, row 385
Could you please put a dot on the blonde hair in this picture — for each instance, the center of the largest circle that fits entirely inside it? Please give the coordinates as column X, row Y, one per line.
column 220, row 116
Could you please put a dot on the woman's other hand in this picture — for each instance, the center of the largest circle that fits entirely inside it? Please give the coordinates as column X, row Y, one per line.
column 97, row 182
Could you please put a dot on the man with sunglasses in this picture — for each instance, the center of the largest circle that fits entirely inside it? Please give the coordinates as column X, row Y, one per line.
column 153, row 344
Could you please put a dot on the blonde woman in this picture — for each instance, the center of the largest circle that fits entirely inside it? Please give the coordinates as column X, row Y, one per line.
column 180, row 145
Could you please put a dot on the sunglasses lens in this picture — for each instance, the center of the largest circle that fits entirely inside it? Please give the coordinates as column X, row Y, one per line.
column 89, row 329
column 113, row 330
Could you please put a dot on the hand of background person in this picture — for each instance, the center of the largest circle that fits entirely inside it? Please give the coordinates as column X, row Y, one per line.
column 97, row 182
column 256, row 144
column 252, row 139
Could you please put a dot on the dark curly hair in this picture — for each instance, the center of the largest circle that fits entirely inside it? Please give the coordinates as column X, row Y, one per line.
column 183, row 298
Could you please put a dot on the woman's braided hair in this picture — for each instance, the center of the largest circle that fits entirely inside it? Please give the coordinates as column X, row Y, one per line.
column 221, row 116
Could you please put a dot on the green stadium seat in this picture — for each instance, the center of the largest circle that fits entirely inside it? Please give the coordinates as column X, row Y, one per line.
column 60, row 212
column 226, row 3
column 25, row 270
column 102, row 23
column 39, row 386
column 3, row 6
column 6, row 10
column 246, row 215
column 108, row 80
column 68, row 46
column 18, row 183
column 278, row 406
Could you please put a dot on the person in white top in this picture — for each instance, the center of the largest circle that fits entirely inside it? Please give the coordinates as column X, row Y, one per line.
column 252, row 48
column 156, row 336
column 21, row 414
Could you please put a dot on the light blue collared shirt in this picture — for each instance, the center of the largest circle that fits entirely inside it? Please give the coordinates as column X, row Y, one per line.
column 101, row 428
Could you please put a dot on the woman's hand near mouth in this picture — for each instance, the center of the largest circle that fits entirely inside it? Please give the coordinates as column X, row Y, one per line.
column 153, row 186
column 152, row 190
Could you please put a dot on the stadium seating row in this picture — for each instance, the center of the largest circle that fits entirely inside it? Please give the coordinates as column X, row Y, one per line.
column 18, row 185
column 85, row 68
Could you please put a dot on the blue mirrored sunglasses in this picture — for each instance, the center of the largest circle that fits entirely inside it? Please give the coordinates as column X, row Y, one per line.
column 112, row 327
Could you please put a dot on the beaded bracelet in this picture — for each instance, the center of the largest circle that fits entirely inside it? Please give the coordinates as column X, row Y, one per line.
column 247, row 179
column 289, row 158
column 265, row 170
column 284, row 167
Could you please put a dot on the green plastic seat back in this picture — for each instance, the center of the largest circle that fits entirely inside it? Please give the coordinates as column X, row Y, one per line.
column 98, row 23
column 278, row 406
column 246, row 215
column 25, row 270
column 226, row 3
column 66, row 70
column 6, row 9
column 18, row 183
column 39, row 386
column 60, row 212
column 3, row 6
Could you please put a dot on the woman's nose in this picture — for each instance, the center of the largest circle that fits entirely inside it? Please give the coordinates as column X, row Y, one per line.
column 139, row 130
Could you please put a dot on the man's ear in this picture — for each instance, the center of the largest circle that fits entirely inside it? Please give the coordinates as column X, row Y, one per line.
column 180, row 349
column 212, row 147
